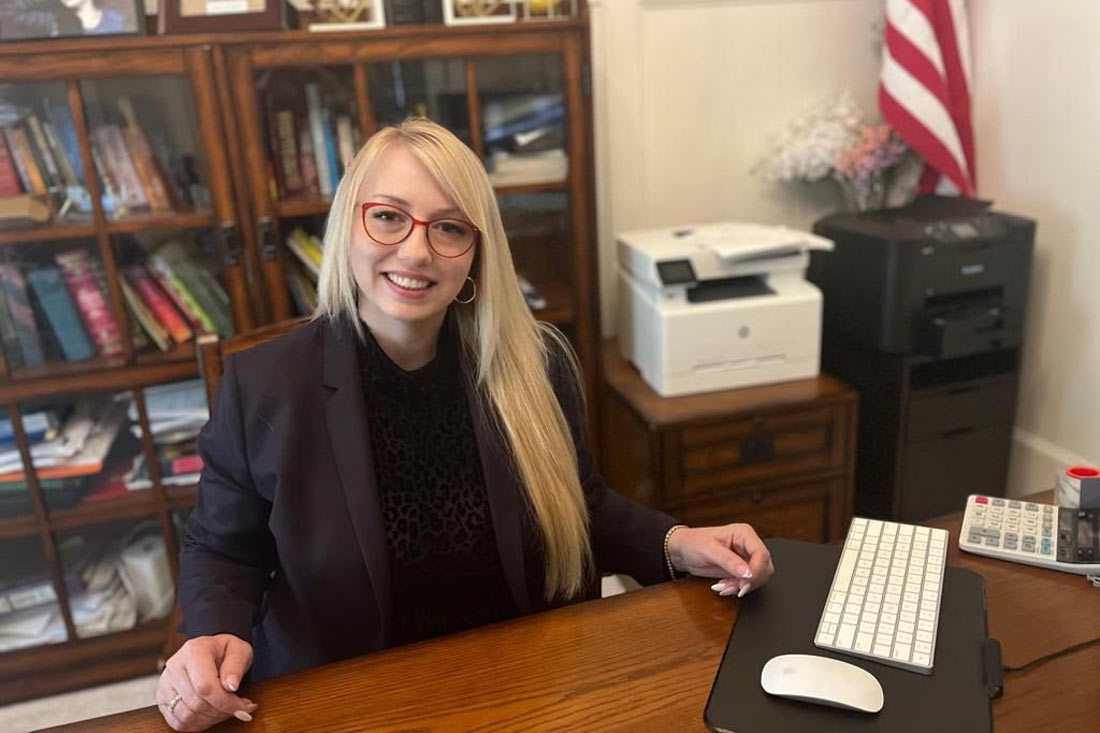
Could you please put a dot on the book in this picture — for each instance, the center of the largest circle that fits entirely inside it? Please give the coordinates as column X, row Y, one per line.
column 308, row 163
column 317, row 136
column 37, row 426
column 9, row 178
column 22, row 315
column 25, row 164
column 110, row 143
column 145, row 317
column 345, row 139
column 50, row 168
column 141, row 153
column 13, row 353
column 181, row 296
column 68, row 172
column 51, row 348
column 287, row 136
column 61, row 121
column 111, row 192
column 158, row 303
column 307, row 248
column 302, row 291
column 203, row 286
column 88, row 289
column 332, row 156
column 61, row 313
column 83, row 441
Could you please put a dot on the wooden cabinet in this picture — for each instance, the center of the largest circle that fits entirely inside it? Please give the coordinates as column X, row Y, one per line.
column 779, row 457
column 205, row 102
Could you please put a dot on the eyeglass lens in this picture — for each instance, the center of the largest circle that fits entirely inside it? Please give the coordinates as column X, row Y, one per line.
column 390, row 225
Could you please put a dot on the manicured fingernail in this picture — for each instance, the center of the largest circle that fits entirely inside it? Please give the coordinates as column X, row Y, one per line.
column 231, row 683
column 746, row 574
column 719, row 586
column 743, row 591
column 242, row 715
column 727, row 592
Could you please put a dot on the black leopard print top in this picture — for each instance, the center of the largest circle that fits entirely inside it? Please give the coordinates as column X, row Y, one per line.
column 446, row 574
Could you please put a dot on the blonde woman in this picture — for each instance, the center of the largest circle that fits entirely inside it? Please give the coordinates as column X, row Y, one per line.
column 412, row 462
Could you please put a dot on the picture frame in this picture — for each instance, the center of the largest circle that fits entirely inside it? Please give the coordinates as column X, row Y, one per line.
column 26, row 20
column 538, row 10
column 212, row 16
column 348, row 15
column 477, row 12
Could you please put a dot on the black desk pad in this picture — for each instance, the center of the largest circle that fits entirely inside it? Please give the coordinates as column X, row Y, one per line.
column 782, row 618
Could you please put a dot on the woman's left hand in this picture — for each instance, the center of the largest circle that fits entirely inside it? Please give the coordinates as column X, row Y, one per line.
column 734, row 553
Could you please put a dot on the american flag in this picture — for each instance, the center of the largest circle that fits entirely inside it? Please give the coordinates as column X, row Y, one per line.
column 924, row 89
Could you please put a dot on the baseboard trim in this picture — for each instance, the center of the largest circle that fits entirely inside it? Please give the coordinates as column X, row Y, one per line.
column 1036, row 463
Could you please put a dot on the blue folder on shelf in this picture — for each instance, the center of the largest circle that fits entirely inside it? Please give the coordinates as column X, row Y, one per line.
column 781, row 618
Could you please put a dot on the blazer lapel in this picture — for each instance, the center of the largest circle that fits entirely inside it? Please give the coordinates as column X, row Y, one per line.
column 346, row 419
column 506, row 504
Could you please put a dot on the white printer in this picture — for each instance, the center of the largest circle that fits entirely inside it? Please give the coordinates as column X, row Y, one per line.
column 717, row 306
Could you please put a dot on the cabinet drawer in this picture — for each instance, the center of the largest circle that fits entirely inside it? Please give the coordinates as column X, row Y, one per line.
column 799, row 512
column 752, row 450
column 934, row 412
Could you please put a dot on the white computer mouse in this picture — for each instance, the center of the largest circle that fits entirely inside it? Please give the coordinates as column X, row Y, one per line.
column 822, row 680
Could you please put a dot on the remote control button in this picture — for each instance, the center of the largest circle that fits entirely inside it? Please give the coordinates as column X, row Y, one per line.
column 981, row 500
column 998, row 502
column 1032, row 507
column 1013, row 505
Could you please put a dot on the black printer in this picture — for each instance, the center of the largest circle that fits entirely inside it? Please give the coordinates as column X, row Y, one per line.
column 941, row 276
column 923, row 314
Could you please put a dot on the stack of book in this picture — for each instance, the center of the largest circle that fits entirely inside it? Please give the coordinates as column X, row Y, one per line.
column 66, row 453
column 61, row 311
column 303, row 272
column 176, row 413
column 172, row 297
column 524, row 139
column 40, row 157
column 311, row 142
column 140, row 169
column 28, row 599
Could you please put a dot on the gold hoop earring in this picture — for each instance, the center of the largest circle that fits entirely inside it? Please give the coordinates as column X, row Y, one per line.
column 472, row 295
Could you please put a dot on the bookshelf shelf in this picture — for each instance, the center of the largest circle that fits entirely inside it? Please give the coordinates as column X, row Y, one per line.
column 49, row 232
column 169, row 220
column 549, row 186
column 303, row 207
column 213, row 142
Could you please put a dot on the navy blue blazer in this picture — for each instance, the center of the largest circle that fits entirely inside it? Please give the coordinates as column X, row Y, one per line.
column 286, row 547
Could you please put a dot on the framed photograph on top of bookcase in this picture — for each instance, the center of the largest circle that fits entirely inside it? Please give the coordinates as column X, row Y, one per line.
column 348, row 15
column 32, row 19
column 215, row 16
column 467, row 12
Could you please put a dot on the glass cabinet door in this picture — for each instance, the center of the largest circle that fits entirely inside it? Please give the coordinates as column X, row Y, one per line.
column 522, row 119
column 42, row 176
column 30, row 613
column 432, row 88
column 145, row 146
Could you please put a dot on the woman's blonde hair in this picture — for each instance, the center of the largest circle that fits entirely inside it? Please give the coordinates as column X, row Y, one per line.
column 498, row 334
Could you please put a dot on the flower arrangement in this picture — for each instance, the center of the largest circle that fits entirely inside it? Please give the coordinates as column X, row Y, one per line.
column 860, row 169
column 834, row 140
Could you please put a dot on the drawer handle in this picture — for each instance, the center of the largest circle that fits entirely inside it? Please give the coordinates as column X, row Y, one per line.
column 757, row 448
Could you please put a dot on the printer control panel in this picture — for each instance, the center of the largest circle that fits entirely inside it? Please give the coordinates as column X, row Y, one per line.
column 964, row 229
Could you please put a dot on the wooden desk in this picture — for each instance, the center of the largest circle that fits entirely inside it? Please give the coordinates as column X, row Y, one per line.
column 645, row 661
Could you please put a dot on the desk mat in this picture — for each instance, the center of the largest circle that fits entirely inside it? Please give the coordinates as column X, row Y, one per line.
column 781, row 618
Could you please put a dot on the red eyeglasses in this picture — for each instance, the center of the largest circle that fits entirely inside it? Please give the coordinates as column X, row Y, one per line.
column 388, row 225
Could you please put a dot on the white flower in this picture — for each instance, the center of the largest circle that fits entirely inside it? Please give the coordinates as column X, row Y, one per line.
column 807, row 149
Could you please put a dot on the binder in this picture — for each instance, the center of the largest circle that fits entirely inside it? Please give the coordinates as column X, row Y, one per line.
column 781, row 618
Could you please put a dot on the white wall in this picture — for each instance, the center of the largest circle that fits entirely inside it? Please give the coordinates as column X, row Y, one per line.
column 1037, row 121
column 688, row 94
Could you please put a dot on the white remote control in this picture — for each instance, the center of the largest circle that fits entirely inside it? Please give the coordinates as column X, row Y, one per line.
column 1044, row 535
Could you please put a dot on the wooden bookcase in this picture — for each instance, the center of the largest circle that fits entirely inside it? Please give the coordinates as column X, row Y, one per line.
column 220, row 80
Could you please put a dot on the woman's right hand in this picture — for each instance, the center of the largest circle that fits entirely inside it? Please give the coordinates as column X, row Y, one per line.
column 205, row 674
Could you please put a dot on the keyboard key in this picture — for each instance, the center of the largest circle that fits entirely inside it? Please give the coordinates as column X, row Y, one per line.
column 922, row 659
column 901, row 652
column 882, row 650
column 863, row 642
column 845, row 635
column 922, row 647
column 904, row 638
column 908, row 627
column 851, row 619
column 834, row 608
column 866, row 627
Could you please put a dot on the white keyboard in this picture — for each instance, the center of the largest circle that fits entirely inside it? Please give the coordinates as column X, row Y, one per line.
column 884, row 603
column 1059, row 538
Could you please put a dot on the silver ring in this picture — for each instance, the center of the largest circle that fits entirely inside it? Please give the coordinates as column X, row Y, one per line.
column 174, row 702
